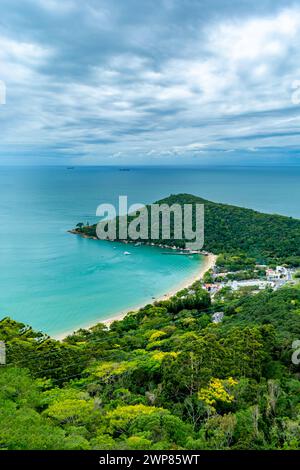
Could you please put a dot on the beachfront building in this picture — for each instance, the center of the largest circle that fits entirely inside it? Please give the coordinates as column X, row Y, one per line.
column 277, row 274
column 258, row 283
column 213, row 288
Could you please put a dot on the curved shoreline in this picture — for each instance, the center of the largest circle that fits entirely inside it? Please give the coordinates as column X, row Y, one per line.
column 208, row 263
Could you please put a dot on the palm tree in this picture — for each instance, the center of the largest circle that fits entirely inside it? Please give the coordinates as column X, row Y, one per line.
column 79, row 226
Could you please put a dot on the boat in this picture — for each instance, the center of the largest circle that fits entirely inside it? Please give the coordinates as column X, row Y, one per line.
column 127, row 253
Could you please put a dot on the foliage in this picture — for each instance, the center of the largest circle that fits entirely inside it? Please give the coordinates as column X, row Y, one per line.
column 165, row 377
column 236, row 231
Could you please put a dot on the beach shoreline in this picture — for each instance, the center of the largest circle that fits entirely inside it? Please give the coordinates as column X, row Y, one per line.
column 208, row 263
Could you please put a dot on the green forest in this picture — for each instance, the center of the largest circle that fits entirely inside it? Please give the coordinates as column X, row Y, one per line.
column 232, row 229
column 165, row 377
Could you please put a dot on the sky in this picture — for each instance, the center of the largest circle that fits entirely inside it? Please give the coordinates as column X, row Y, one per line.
column 158, row 82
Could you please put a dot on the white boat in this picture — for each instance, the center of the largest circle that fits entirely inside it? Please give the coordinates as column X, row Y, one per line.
column 127, row 253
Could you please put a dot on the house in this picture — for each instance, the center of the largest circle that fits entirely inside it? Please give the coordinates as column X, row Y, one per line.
column 276, row 274
column 213, row 288
column 208, row 287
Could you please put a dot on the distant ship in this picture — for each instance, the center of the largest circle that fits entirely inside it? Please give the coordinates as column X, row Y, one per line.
column 124, row 169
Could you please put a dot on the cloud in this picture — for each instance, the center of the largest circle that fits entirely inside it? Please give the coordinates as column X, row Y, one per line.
column 100, row 81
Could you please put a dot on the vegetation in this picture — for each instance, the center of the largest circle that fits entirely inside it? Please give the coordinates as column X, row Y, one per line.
column 165, row 377
column 237, row 231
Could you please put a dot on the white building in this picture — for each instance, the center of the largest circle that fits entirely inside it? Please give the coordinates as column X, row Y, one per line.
column 277, row 274
column 260, row 284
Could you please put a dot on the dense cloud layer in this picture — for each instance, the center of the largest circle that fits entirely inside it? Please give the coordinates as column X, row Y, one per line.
column 169, row 81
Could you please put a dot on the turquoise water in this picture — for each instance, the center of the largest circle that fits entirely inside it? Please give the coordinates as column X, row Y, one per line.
column 57, row 282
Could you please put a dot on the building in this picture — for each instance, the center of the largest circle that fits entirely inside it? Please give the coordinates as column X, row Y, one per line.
column 213, row 288
column 277, row 274
column 258, row 283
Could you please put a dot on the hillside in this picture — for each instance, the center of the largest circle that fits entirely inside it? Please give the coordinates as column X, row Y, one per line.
column 165, row 377
column 232, row 229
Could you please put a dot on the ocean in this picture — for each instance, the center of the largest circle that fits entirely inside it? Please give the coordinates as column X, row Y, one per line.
column 58, row 282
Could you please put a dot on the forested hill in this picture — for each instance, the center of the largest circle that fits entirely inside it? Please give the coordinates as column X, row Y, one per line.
column 230, row 229
column 163, row 378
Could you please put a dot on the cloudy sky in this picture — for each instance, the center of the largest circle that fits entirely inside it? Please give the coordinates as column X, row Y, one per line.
column 149, row 81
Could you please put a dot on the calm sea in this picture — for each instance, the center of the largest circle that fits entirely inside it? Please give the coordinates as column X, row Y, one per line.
column 56, row 281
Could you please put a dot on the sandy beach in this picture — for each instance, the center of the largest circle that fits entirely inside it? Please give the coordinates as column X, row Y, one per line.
column 208, row 263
